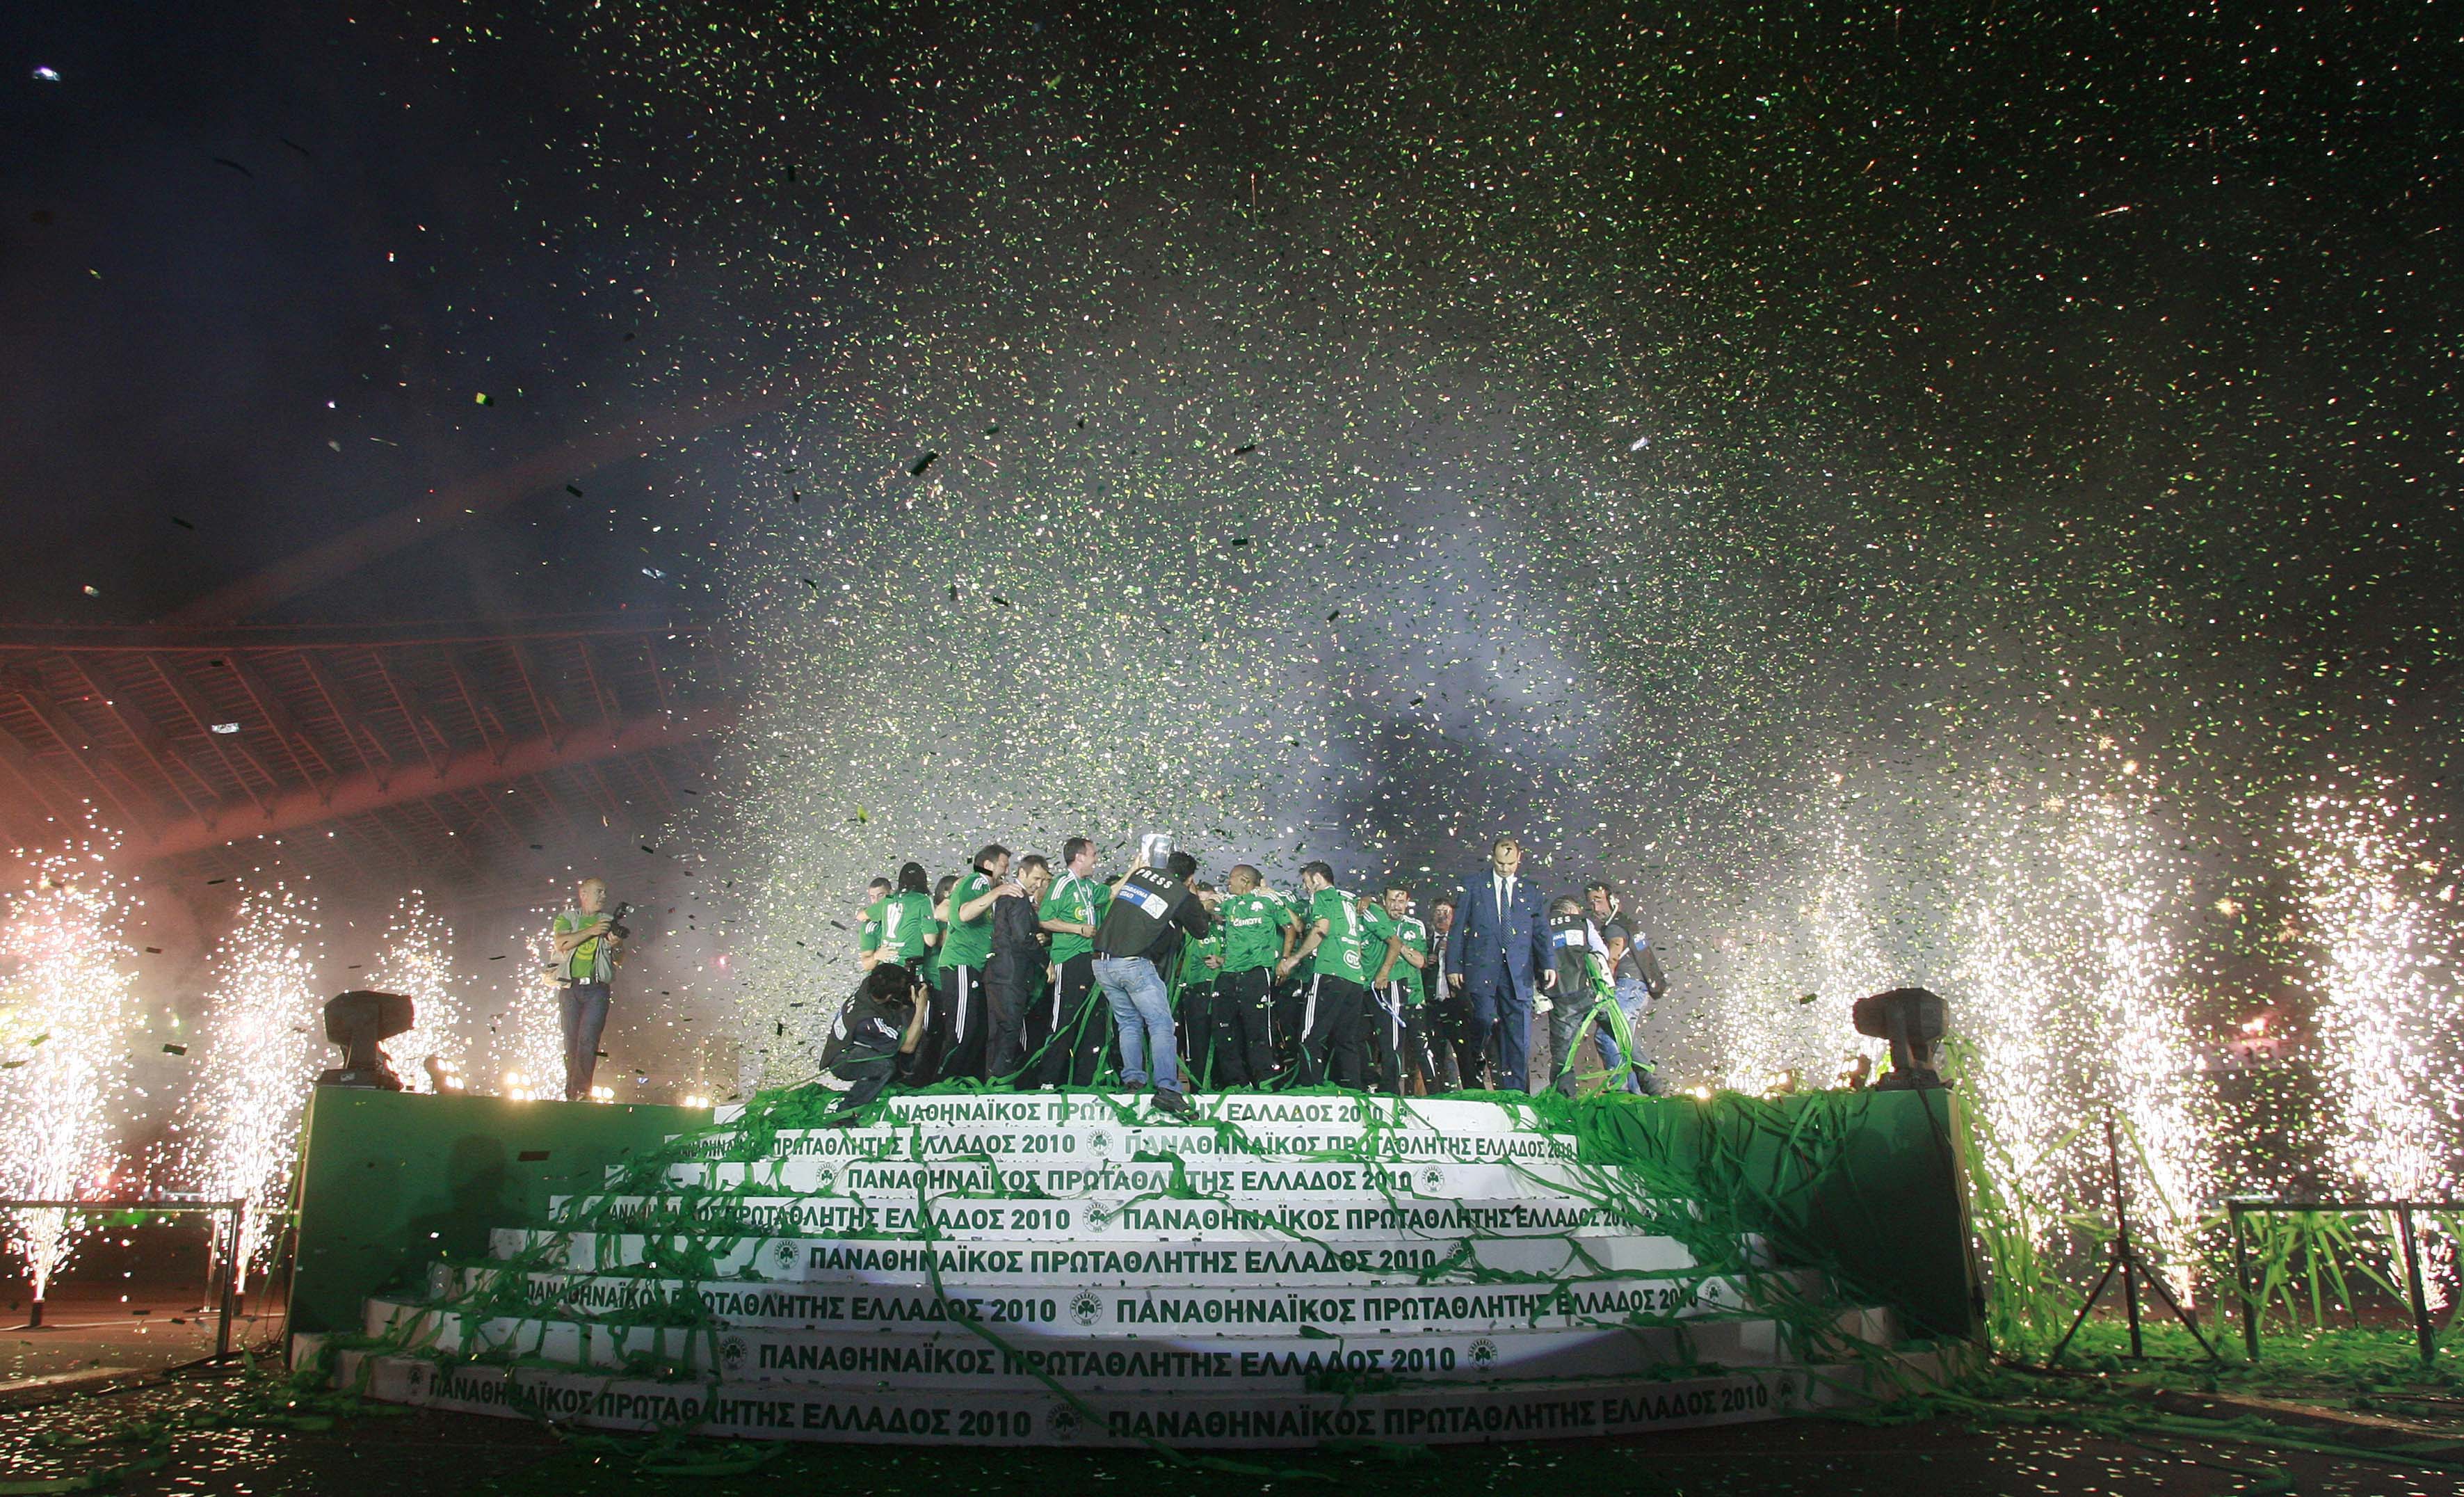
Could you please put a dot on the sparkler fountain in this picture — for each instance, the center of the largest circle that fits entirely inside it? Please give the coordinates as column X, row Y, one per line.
column 63, row 1054
column 415, row 962
column 2383, row 967
column 262, row 1045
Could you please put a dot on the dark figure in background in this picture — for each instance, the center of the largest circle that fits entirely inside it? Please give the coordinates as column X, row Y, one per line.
column 587, row 945
column 1015, row 976
column 1075, row 1026
column 1497, row 956
column 875, row 1035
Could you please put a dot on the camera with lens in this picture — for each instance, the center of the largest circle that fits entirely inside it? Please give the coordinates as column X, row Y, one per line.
column 616, row 926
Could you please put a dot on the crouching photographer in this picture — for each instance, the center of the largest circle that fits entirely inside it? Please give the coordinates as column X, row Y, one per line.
column 875, row 1038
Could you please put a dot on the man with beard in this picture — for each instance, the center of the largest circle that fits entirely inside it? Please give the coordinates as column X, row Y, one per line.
column 1015, row 973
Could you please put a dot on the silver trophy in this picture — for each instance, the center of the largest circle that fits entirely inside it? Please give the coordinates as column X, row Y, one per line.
column 1154, row 849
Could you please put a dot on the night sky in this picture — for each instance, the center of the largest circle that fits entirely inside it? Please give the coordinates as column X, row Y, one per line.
column 1874, row 480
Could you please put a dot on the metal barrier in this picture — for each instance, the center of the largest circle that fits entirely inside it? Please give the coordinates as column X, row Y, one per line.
column 2237, row 1207
column 236, row 1210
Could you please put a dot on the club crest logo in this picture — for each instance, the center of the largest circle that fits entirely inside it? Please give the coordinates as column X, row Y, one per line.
column 784, row 1255
column 1432, row 1178
column 1483, row 1353
column 731, row 1353
column 1063, row 1421
column 415, row 1380
column 1085, row 1307
column 1100, row 1141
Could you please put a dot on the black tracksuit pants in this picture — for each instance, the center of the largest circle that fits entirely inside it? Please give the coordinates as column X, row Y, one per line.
column 1081, row 1027
column 1332, row 1019
column 1244, row 1021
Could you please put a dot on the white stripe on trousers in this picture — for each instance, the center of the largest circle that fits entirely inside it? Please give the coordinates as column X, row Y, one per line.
column 958, row 1004
column 1308, row 1014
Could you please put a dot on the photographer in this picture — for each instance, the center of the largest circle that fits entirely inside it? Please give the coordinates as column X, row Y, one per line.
column 586, row 941
column 1142, row 929
column 875, row 1036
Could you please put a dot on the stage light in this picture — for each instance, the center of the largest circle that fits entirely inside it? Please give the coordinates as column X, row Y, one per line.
column 603, row 1093
column 358, row 1021
column 1913, row 1019
column 696, row 1101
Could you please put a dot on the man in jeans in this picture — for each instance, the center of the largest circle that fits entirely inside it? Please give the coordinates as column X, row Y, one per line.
column 1142, row 929
column 586, row 961
column 1634, row 968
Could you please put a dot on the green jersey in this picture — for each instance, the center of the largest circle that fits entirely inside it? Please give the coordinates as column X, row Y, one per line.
column 1194, row 970
column 1252, row 926
column 1416, row 938
column 968, row 943
column 1341, row 954
column 1081, row 902
column 897, row 927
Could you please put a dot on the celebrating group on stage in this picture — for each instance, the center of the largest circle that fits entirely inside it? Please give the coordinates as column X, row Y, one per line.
column 1014, row 975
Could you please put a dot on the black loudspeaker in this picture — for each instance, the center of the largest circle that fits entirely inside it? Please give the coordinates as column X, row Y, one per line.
column 1914, row 1019
column 360, row 1022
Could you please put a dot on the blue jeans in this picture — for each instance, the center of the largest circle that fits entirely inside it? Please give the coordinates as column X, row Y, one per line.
column 1142, row 1013
column 1634, row 998
column 583, row 1007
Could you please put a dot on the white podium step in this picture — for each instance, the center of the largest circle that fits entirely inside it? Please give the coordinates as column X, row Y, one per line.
column 1017, row 1358
column 1109, row 1310
column 1212, row 1263
column 1584, row 1408
column 1052, row 1269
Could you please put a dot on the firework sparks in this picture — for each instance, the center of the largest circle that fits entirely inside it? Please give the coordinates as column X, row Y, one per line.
column 2387, row 1004
column 415, row 962
column 529, row 1039
column 262, row 1047
column 63, row 1067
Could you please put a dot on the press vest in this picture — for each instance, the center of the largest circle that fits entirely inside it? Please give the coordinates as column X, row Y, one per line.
column 1141, row 906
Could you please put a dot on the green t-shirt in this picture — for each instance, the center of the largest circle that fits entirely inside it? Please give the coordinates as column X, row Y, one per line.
column 1251, row 924
column 588, row 961
column 1416, row 938
column 968, row 943
column 1079, row 900
column 1341, row 954
column 896, row 926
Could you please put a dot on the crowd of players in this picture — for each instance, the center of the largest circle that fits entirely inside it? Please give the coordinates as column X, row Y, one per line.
column 1018, row 973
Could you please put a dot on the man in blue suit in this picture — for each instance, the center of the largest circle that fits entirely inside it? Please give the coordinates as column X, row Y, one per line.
column 1496, row 954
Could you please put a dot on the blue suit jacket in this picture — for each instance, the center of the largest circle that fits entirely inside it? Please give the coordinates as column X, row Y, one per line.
column 1493, row 947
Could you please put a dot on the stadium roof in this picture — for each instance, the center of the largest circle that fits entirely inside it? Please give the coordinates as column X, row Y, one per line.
column 466, row 755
